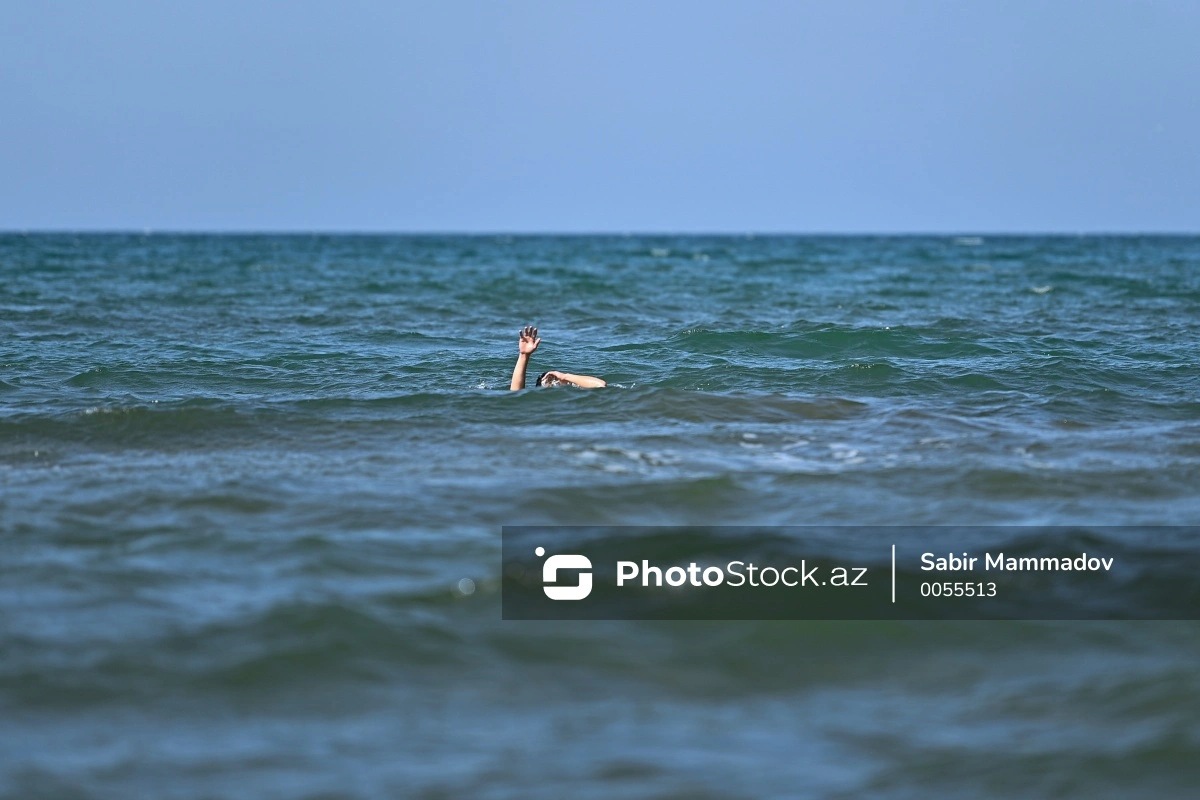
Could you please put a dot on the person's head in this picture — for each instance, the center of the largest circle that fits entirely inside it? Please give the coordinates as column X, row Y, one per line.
column 548, row 379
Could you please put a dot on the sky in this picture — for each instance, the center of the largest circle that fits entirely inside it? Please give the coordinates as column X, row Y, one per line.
column 614, row 116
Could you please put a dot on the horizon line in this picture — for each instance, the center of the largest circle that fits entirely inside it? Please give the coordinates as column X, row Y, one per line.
column 535, row 233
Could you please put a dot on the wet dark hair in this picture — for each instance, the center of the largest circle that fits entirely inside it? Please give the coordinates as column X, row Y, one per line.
column 538, row 382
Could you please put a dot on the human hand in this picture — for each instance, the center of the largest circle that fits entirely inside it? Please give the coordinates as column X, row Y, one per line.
column 529, row 340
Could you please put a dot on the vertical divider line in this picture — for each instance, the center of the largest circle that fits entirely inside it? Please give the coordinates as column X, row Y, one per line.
column 893, row 573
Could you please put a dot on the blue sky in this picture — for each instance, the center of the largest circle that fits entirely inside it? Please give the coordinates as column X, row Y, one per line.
column 885, row 116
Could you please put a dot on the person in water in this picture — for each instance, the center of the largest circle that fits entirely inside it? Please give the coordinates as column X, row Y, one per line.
column 529, row 342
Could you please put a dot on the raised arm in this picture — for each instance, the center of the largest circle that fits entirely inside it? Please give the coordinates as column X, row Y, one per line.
column 526, row 344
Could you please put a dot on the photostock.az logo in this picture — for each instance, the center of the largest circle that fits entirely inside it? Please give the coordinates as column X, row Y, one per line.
column 550, row 575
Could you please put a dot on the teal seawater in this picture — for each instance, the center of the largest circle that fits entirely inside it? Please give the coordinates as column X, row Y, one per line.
column 241, row 478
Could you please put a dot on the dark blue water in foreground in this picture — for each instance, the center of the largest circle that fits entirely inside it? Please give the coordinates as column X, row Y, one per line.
column 241, row 479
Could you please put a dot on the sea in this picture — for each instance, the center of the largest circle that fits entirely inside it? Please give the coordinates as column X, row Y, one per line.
column 252, row 489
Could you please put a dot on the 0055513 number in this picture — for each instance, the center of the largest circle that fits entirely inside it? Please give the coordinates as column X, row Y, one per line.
column 958, row 589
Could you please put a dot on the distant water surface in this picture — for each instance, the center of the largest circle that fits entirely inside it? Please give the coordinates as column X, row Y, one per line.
column 242, row 477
